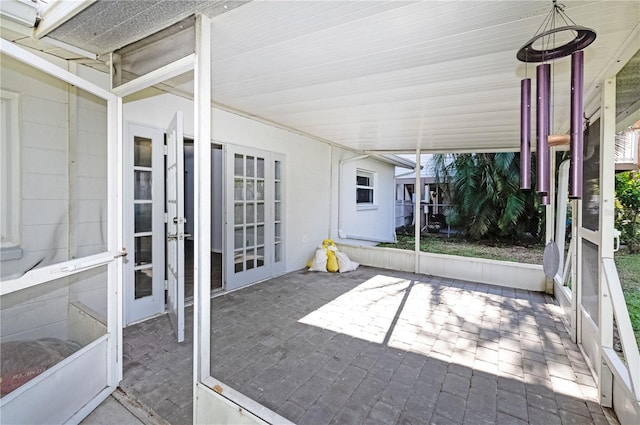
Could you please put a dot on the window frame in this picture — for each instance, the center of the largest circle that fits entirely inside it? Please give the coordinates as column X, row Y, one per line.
column 370, row 187
column 10, row 198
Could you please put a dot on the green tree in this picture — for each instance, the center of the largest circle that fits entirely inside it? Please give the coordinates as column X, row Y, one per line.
column 628, row 208
column 486, row 195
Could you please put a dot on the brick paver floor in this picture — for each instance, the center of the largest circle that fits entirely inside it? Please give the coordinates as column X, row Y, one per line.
column 375, row 346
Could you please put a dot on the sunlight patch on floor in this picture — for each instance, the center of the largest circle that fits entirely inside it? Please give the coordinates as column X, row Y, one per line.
column 366, row 312
column 485, row 330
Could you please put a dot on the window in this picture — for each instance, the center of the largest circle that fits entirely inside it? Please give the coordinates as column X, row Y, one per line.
column 364, row 187
column 9, row 177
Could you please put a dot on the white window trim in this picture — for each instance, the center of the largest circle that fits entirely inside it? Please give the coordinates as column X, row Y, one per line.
column 371, row 175
column 11, row 203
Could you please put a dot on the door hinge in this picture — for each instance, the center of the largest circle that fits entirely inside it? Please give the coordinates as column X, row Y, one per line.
column 166, row 150
column 166, row 285
column 166, row 217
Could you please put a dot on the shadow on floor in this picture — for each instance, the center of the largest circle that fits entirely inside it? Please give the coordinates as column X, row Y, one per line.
column 375, row 346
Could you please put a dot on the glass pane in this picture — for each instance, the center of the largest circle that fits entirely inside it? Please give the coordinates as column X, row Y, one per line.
column 278, row 253
column 259, row 257
column 141, row 152
column 238, row 165
column 250, row 167
column 238, row 261
column 260, row 168
column 142, row 185
column 143, row 280
column 590, row 273
column 143, row 250
column 250, row 190
column 250, row 259
column 364, row 196
column 278, row 195
column 42, row 325
column 260, row 190
column 363, row 181
column 238, row 238
column 260, row 236
column 278, row 232
column 251, row 236
column 591, row 178
column 260, row 212
column 238, row 214
column 251, row 212
column 238, row 186
column 143, row 217
column 277, row 207
column 277, row 170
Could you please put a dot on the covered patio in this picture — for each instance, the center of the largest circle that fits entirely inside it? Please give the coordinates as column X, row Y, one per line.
column 375, row 346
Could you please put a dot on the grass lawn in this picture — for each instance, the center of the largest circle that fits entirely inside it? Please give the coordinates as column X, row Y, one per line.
column 531, row 254
column 628, row 266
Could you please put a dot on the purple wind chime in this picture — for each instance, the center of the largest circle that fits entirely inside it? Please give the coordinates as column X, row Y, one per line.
column 529, row 54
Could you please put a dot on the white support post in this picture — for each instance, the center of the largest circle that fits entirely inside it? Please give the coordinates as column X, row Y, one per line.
column 202, row 202
column 417, row 213
column 607, row 194
column 117, row 233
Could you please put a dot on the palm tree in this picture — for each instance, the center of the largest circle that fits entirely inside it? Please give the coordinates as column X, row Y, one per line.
column 487, row 200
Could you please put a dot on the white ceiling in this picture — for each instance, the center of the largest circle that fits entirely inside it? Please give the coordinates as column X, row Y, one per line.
column 397, row 75
column 386, row 76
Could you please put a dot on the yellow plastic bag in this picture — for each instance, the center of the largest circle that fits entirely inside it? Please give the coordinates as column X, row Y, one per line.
column 332, row 261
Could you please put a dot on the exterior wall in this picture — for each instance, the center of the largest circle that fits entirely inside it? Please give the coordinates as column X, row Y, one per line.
column 356, row 224
column 307, row 185
column 62, row 180
column 63, row 168
column 43, row 147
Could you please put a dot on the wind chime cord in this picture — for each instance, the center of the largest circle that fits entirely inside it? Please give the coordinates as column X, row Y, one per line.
column 582, row 38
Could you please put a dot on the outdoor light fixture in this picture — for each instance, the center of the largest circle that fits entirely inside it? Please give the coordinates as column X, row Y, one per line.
column 545, row 37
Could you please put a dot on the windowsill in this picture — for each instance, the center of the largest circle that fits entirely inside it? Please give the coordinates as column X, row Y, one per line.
column 366, row 207
column 10, row 252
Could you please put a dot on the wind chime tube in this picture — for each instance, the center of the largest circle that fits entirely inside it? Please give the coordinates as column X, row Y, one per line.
column 545, row 199
column 543, row 120
column 577, row 137
column 525, row 133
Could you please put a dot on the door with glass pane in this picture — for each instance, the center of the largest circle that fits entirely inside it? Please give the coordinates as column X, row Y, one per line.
column 254, row 236
column 174, row 169
column 144, row 283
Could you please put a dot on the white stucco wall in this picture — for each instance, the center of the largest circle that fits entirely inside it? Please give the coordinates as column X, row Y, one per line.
column 364, row 225
column 307, row 165
column 312, row 175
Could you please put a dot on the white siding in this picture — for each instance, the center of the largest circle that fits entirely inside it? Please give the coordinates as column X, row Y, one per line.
column 63, row 179
column 63, row 168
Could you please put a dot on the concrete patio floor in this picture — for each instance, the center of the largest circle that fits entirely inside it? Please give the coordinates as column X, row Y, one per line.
column 375, row 346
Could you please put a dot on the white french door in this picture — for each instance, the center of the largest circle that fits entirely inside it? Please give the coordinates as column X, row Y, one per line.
column 144, row 285
column 175, row 224
column 254, row 224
